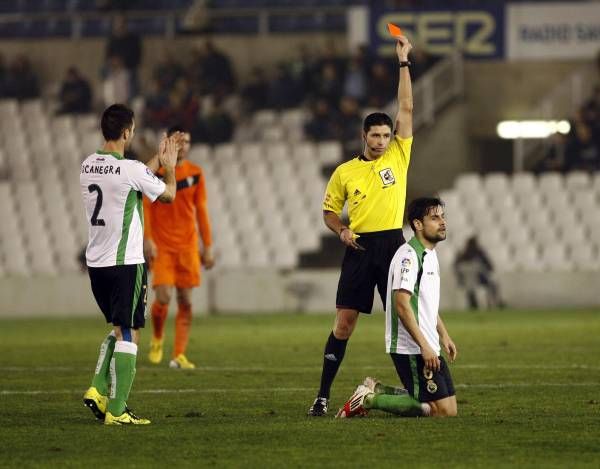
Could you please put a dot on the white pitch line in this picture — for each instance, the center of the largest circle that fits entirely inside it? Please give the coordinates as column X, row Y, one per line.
column 308, row 368
column 8, row 392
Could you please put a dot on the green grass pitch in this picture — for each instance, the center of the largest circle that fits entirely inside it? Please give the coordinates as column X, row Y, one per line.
column 528, row 388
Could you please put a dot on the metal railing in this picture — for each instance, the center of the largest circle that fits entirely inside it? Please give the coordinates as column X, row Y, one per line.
column 561, row 103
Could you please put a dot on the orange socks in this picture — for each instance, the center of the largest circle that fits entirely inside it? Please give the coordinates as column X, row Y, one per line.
column 159, row 316
column 183, row 322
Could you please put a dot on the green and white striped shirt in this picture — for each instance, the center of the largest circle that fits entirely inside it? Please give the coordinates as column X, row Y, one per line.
column 416, row 270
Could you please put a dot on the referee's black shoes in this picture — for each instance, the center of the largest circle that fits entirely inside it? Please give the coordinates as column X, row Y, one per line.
column 319, row 407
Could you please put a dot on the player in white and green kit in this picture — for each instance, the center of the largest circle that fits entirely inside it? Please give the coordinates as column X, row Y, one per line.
column 415, row 333
column 112, row 188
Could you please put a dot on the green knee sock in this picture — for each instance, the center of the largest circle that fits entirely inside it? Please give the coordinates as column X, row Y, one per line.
column 381, row 388
column 404, row 405
column 122, row 370
column 101, row 376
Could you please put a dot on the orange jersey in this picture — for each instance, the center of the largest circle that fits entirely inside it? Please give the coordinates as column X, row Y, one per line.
column 175, row 226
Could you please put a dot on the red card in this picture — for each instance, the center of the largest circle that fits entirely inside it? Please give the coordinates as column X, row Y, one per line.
column 394, row 30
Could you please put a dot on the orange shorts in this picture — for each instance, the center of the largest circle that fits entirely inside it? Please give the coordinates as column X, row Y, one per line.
column 179, row 268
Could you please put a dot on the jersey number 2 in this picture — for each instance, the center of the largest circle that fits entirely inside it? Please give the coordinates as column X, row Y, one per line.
column 95, row 220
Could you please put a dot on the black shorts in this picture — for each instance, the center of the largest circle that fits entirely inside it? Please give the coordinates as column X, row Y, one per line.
column 363, row 270
column 422, row 384
column 120, row 292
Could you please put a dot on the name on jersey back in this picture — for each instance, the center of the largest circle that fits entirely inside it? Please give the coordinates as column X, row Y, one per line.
column 100, row 169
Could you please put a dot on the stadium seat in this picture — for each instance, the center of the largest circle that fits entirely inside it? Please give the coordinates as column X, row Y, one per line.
column 293, row 118
column 577, row 180
column 550, row 182
column 554, row 257
column 446, row 255
column 584, row 256
column 199, row 154
column 585, row 202
column 468, row 184
column 496, row 184
column 264, row 118
column 527, row 258
column 501, row 258
column 329, row 153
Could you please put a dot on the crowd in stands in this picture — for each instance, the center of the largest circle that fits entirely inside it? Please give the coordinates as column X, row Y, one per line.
column 17, row 79
column 201, row 90
column 580, row 148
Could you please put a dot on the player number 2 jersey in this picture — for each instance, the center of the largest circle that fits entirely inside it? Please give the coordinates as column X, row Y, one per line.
column 112, row 188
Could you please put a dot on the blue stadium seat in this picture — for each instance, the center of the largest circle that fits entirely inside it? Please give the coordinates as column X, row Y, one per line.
column 294, row 23
column 94, row 28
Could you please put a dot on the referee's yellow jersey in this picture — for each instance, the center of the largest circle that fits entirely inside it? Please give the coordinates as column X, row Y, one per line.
column 375, row 190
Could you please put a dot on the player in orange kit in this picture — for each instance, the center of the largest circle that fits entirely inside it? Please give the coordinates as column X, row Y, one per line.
column 172, row 253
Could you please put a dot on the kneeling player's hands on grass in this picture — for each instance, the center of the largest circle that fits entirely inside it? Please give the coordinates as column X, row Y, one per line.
column 430, row 358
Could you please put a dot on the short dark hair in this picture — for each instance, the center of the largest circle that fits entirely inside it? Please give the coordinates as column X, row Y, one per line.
column 177, row 128
column 377, row 118
column 420, row 207
column 115, row 120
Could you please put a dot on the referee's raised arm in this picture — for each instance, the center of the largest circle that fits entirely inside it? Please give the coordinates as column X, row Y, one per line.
column 405, row 100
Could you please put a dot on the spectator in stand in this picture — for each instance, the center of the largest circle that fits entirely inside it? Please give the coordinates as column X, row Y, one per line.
column 474, row 269
column 116, row 86
column 167, row 72
column 355, row 82
column 3, row 76
column 157, row 113
column 321, row 125
column 381, row 87
column 582, row 152
column 283, row 91
column 21, row 82
column 303, row 70
column 329, row 85
column 255, row 93
column 212, row 70
column 183, row 104
column 349, row 125
column 554, row 159
column 127, row 47
column 216, row 125
column 75, row 94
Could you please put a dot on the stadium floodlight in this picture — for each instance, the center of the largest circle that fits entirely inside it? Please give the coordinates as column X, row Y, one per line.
column 531, row 129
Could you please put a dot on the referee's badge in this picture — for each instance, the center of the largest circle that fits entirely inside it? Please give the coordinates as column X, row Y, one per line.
column 387, row 177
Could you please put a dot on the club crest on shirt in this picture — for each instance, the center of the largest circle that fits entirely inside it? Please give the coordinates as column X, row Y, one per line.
column 387, row 177
column 406, row 262
column 431, row 387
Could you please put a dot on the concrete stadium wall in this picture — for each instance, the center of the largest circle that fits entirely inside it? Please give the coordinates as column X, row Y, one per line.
column 296, row 291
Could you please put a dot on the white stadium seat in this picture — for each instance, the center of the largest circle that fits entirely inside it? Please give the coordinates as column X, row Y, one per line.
column 469, row 185
column 577, row 180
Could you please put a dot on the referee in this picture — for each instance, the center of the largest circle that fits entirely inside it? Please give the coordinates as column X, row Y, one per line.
column 374, row 186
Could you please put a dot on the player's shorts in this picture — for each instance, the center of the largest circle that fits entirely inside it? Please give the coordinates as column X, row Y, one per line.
column 422, row 384
column 120, row 292
column 363, row 270
column 179, row 268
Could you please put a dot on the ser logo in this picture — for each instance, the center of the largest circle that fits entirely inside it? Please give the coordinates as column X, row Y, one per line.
column 387, row 177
